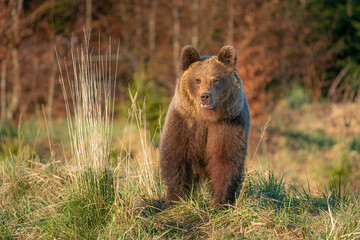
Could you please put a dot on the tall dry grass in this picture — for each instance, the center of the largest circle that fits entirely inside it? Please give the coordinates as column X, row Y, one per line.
column 101, row 194
column 90, row 118
column 90, row 113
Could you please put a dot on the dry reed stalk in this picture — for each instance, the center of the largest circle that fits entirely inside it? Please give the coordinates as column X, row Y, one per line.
column 92, row 90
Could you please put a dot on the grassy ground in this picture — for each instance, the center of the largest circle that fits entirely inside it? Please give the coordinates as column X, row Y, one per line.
column 83, row 184
column 312, row 144
column 44, row 195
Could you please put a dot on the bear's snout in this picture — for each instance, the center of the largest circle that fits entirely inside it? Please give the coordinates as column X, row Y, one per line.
column 206, row 101
column 205, row 98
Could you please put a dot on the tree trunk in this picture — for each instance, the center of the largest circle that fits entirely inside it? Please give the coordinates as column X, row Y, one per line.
column 88, row 16
column 139, row 27
column 152, row 25
column 53, row 73
column 52, row 88
column 139, row 35
column 3, row 90
column 195, row 23
column 124, row 21
column 14, row 104
column 176, row 35
column 230, row 37
column 285, row 43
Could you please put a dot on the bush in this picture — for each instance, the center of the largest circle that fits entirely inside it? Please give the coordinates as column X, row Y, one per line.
column 355, row 145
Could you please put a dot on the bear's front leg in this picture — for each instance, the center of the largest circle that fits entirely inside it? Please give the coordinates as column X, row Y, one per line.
column 178, row 180
column 225, row 177
column 226, row 151
column 176, row 155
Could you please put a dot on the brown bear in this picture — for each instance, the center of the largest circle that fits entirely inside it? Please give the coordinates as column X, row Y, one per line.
column 206, row 128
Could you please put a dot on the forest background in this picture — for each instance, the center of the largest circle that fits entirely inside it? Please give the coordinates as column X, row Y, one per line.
column 299, row 63
column 315, row 44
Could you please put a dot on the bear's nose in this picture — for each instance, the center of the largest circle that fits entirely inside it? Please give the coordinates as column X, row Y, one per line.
column 205, row 97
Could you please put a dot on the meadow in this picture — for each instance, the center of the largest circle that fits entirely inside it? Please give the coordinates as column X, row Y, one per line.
column 93, row 176
column 302, row 183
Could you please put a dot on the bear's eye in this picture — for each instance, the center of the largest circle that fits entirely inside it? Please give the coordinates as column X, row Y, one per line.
column 216, row 81
column 198, row 81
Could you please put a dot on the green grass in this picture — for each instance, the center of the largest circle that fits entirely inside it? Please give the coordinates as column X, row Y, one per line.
column 47, row 198
column 312, row 144
column 44, row 201
column 83, row 210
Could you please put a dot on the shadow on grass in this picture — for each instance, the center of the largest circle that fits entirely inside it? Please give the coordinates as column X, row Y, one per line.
column 183, row 220
column 269, row 191
column 153, row 207
column 301, row 140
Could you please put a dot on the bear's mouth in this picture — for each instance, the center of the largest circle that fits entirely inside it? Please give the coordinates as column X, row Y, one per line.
column 207, row 106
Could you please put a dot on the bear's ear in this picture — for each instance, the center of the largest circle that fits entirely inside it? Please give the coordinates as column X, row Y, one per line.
column 189, row 55
column 228, row 56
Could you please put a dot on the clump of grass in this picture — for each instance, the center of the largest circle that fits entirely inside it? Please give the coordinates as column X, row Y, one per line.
column 85, row 212
column 268, row 187
column 92, row 92
column 86, row 207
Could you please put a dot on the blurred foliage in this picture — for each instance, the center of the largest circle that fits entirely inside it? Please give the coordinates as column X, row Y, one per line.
column 282, row 45
column 340, row 21
column 8, row 130
column 297, row 96
column 150, row 98
column 63, row 12
column 320, row 42
column 355, row 145
column 8, row 140
column 341, row 171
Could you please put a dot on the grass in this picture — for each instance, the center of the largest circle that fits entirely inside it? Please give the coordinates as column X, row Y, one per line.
column 313, row 144
column 111, row 187
column 40, row 201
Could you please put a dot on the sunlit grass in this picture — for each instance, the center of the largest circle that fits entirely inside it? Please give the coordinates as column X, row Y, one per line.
column 38, row 201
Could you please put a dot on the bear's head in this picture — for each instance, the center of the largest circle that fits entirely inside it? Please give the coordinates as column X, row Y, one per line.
column 209, row 88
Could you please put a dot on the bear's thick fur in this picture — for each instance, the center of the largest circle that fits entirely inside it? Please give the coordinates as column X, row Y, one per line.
column 207, row 127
